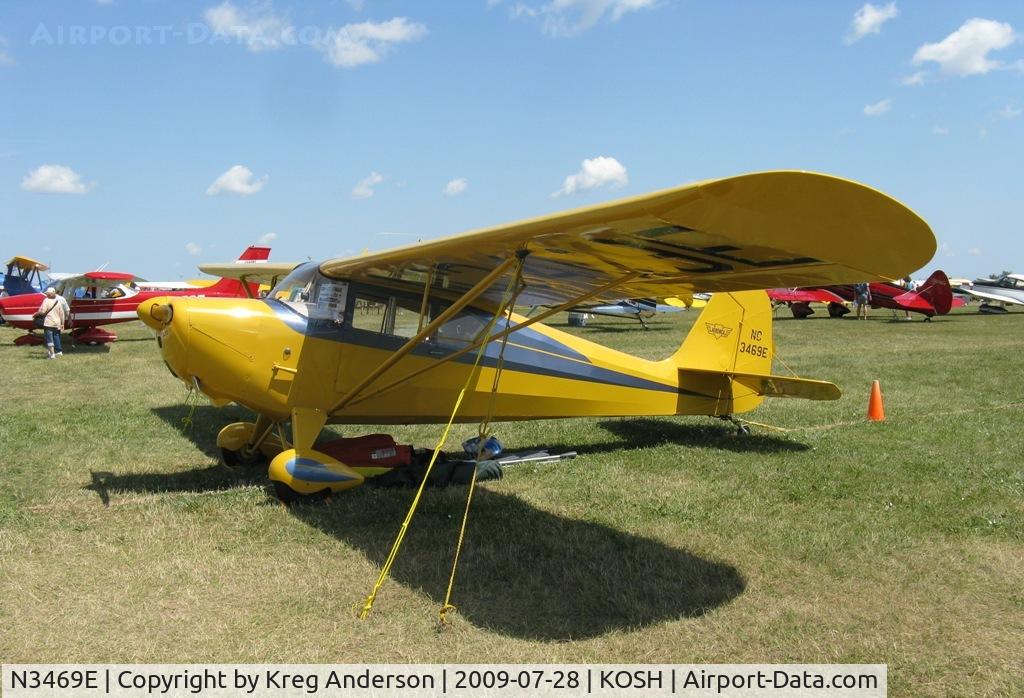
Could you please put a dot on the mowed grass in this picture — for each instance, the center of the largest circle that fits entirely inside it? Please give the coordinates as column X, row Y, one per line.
column 822, row 539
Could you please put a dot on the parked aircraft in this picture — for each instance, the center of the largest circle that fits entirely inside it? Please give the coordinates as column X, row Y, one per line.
column 103, row 298
column 426, row 333
column 1008, row 289
column 799, row 300
column 23, row 275
column 934, row 297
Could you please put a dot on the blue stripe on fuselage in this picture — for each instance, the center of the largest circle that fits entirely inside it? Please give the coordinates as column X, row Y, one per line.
column 528, row 351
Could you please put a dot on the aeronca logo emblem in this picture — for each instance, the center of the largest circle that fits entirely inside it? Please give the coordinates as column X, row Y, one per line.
column 718, row 331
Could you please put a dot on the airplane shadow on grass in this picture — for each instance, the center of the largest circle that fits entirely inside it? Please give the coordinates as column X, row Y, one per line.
column 645, row 432
column 524, row 572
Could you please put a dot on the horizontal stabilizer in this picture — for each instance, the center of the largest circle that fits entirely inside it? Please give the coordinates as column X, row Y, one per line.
column 770, row 386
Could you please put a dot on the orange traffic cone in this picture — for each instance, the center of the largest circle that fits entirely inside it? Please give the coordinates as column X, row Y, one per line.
column 876, row 413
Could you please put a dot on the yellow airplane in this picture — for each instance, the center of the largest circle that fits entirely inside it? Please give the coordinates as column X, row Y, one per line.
column 426, row 333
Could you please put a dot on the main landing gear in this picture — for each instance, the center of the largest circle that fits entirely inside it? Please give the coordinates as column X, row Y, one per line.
column 297, row 471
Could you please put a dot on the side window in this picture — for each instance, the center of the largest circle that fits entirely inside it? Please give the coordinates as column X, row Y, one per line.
column 404, row 320
column 390, row 315
column 462, row 329
column 369, row 313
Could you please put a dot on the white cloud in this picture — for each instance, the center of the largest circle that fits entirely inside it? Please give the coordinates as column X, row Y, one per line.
column 563, row 18
column 1009, row 112
column 974, row 251
column 520, row 10
column 368, row 42
column 869, row 20
column 55, row 179
column 940, row 131
column 878, row 108
column 946, row 250
column 237, row 180
column 267, row 238
column 455, row 187
column 193, row 249
column 965, row 51
column 595, row 172
column 364, row 190
column 5, row 56
column 915, row 79
column 356, row 5
column 258, row 28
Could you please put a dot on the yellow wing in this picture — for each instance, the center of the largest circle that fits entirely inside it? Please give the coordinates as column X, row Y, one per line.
column 753, row 231
column 26, row 263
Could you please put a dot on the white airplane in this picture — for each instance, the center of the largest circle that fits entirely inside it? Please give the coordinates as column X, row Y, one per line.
column 1008, row 288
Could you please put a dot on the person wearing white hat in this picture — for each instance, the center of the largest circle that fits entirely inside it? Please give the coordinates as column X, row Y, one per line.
column 54, row 316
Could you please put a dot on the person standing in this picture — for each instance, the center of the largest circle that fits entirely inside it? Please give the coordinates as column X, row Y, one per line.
column 54, row 317
column 862, row 297
column 908, row 285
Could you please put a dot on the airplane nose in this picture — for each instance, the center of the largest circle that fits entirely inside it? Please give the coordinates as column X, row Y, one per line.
column 170, row 318
column 156, row 312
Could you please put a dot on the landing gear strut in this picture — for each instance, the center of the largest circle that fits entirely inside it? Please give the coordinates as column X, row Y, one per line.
column 248, row 444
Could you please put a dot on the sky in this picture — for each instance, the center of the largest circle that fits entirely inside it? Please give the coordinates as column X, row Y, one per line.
column 153, row 135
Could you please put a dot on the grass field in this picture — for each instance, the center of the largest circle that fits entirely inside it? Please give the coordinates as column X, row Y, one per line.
column 666, row 540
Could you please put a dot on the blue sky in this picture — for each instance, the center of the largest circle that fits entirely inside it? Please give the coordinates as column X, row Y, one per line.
column 154, row 135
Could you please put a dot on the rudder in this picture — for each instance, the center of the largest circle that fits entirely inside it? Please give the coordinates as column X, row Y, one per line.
column 732, row 335
column 937, row 291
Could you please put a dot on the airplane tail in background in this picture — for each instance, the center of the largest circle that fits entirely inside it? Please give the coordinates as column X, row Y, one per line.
column 252, row 253
column 727, row 357
column 937, row 291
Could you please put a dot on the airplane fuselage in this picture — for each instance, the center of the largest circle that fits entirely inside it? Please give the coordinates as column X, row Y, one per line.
column 271, row 358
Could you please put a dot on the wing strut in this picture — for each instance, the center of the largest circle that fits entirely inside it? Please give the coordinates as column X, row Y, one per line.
column 483, row 434
column 511, row 293
column 467, row 298
column 502, row 335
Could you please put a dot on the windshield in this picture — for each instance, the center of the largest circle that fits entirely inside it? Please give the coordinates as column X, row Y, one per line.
column 311, row 293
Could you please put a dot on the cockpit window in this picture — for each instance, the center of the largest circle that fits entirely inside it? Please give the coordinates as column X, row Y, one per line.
column 311, row 293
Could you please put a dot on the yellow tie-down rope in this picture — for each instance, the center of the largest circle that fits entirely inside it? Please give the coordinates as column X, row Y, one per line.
column 386, row 568
column 482, row 435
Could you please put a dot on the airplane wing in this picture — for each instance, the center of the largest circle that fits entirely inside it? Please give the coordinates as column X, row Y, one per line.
column 166, row 285
column 803, row 295
column 26, row 263
column 107, row 278
column 748, row 232
column 990, row 296
column 252, row 272
column 94, row 278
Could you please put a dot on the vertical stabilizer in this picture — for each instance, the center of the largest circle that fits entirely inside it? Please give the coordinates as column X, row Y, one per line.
column 733, row 335
column 936, row 290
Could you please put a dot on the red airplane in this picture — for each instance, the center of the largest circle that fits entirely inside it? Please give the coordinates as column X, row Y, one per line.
column 106, row 297
column 934, row 297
